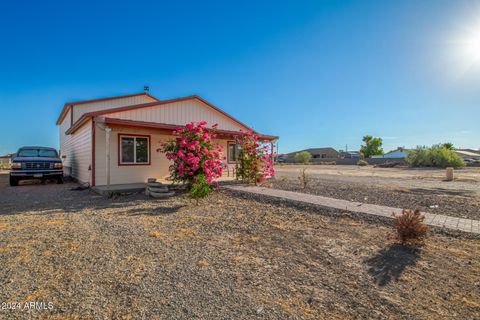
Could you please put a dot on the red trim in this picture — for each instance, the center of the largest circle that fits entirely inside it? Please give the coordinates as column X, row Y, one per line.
column 93, row 152
column 170, row 127
column 70, row 104
column 134, row 135
column 85, row 117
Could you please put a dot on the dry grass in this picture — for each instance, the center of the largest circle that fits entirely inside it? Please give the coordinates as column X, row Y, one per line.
column 229, row 257
column 410, row 227
column 203, row 263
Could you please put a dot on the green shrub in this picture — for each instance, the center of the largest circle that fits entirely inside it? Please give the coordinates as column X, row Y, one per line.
column 200, row 187
column 435, row 156
column 362, row 163
column 303, row 157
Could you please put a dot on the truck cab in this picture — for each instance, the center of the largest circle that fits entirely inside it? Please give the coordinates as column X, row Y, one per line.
column 36, row 163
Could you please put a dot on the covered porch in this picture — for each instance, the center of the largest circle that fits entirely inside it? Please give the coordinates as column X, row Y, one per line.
column 113, row 137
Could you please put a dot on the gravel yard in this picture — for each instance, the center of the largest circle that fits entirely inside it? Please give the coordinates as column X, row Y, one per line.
column 227, row 257
column 380, row 186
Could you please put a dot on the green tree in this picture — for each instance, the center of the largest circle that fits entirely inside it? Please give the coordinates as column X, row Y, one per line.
column 303, row 157
column 372, row 146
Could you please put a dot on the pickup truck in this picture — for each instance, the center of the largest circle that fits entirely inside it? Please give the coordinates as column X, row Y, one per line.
column 36, row 163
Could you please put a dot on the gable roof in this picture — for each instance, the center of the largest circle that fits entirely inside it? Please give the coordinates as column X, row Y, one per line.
column 85, row 117
column 399, row 149
column 68, row 105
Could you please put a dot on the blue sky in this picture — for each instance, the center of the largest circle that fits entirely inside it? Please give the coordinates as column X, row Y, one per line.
column 316, row 73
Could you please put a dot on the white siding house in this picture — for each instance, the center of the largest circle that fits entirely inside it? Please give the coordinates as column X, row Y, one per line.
column 93, row 131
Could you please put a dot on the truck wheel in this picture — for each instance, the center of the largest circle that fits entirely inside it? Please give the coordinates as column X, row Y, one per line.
column 13, row 182
column 60, row 180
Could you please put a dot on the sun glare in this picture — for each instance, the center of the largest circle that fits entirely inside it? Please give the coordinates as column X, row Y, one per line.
column 466, row 49
column 470, row 46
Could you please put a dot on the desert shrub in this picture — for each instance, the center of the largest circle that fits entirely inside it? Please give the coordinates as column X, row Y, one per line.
column 303, row 157
column 197, row 161
column 362, row 163
column 304, row 178
column 410, row 227
column 255, row 160
column 436, row 156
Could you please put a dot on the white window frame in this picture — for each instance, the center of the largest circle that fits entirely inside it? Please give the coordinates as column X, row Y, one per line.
column 120, row 137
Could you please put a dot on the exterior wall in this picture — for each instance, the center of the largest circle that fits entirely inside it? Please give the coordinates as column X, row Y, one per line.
column 76, row 151
column 79, row 110
column 124, row 174
column 326, row 153
column 396, row 155
column 180, row 113
column 64, row 126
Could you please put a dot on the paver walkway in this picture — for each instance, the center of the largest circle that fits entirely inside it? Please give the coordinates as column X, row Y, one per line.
column 437, row 220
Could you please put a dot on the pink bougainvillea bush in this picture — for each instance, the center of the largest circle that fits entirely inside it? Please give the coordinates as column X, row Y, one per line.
column 255, row 160
column 197, row 161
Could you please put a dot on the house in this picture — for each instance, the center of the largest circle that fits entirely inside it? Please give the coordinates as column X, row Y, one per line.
column 6, row 160
column 468, row 154
column 318, row 153
column 350, row 155
column 115, row 140
column 399, row 153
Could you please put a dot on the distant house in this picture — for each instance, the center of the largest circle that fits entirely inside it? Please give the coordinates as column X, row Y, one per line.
column 350, row 155
column 6, row 159
column 468, row 154
column 318, row 153
column 399, row 153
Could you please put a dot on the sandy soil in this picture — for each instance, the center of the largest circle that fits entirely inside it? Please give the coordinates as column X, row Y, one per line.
column 227, row 257
column 467, row 179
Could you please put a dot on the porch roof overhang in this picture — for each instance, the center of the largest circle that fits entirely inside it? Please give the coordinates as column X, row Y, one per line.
column 169, row 128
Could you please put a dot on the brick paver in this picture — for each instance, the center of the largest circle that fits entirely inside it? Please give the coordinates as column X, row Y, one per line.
column 437, row 220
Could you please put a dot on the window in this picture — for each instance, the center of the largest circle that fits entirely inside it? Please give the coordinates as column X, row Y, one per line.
column 233, row 152
column 134, row 150
column 47, row 153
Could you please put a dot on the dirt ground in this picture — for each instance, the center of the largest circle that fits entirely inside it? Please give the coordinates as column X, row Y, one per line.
column 227, row 257
column 396, row 187
column 467, row 180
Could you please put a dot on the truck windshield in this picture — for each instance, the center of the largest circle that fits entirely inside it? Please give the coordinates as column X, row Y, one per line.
column 47, row 153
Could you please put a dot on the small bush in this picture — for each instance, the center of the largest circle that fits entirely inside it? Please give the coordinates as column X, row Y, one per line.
column 436, row 156
column 200, row 187
column 362, row 163
column 304, row 178
column 303, row 157
column 410, row 227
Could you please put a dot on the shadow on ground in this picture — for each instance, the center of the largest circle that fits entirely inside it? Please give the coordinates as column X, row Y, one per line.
column 48, row 198
column 155, row 212
column 389, row 263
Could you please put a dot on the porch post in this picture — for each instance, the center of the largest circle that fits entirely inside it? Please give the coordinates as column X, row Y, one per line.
column 107, row 153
